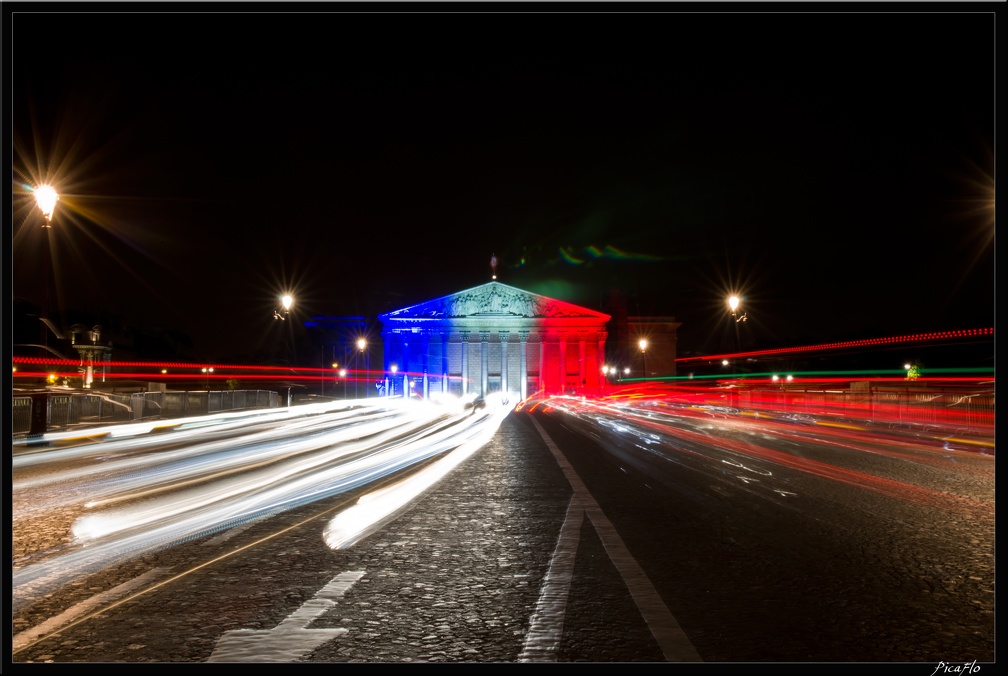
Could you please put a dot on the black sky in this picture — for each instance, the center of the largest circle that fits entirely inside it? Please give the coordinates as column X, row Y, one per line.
column 835, row 167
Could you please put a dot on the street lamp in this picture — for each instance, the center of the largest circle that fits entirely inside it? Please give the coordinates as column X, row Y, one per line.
column 342, row 374
column 391, row 388
column 733, row 304
column 46, row 198
column 286, row 301
column 643, row 349
column 361, row 344
column 207, row 370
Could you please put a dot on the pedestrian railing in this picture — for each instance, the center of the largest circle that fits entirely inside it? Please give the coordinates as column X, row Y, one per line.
column 38, row 413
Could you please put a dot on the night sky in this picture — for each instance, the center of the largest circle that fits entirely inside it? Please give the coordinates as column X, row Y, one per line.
column 835, row 168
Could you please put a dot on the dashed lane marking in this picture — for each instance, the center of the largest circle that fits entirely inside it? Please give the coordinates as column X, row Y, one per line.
column 675, row 645
column 546, row 626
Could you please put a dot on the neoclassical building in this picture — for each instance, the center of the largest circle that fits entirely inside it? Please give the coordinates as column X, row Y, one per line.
column 493, row 338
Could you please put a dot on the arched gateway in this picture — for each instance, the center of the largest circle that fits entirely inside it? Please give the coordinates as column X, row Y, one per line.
column 493, row 338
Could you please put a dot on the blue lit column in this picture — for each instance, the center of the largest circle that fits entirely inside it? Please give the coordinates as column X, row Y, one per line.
column 465, row 362
column 423, row 365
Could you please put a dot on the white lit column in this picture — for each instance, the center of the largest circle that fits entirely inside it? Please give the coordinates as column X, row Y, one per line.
column 523, row 365
column 444, row 361
column 504, row 360
column 465, row 362
column 484, row 335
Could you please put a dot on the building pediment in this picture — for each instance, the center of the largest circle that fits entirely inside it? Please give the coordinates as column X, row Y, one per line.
column 494, row 299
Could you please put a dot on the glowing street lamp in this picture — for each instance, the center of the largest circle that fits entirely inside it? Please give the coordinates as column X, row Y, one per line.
column 286, row 302
column 207, row 370
column 643, row 350
column 733, row 304
column 46, row 198
column 361, row 344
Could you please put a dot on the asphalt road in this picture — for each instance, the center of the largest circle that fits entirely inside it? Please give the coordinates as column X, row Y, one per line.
column 571, row 534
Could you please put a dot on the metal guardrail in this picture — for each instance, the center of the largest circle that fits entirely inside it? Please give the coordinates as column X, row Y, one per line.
column 38, row 413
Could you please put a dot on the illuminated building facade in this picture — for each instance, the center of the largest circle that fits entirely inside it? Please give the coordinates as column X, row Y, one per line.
column 493, row 338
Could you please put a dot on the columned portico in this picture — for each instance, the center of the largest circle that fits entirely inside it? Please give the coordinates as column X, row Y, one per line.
column 440, row 332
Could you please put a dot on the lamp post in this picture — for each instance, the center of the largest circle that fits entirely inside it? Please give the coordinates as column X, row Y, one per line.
column 361, row 344
column 342, row 374
column 391, row 386
column 207, row 370
column 643, row 350
column 46, row 198
column 733, row 305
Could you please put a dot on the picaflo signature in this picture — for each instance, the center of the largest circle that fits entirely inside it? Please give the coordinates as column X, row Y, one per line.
column 964, row 668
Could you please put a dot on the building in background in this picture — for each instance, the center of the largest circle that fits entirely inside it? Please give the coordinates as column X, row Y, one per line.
column 493, row 338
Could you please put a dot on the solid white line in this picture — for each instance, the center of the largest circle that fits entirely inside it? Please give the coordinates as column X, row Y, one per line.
column 546, row 625
column 84, row 607
column 672, row 640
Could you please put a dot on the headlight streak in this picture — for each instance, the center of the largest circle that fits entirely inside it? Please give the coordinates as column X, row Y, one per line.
column 418, row 432
column 215, row 455
column 288, row 476
column 375, row 509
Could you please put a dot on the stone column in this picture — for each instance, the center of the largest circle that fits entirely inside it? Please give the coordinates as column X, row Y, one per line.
column 542, row 361
column 581, row 362
column 404, row 366
column 503, row 335
column 444, row 361
column 484, row 336
column 562, row 344
column 600, row 355
column 523, row 365
column 465, row 362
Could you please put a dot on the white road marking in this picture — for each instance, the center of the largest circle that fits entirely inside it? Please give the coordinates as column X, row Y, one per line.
column 546, row 626
column 228, row 534
column 291, row 639
column 675, row 645
column 84, row 607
